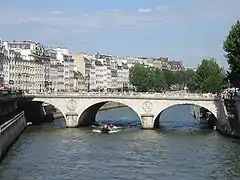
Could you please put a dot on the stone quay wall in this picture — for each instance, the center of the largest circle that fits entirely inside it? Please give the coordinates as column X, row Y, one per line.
column 10, row 131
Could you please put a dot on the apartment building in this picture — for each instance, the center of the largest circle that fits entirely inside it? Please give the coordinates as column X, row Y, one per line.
column 33, row 67
column 176, row 65
column 82, row 71
column 102, row 72
column 65, row 58
column 114, row 76
column 79, row 83
column 3, row 55
column 22, row 67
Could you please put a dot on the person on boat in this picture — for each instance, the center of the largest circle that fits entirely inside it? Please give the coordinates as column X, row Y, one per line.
column 111, row 125
column 105, row 126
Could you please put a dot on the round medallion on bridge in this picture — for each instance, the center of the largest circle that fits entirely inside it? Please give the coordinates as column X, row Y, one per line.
column 147, row 106
column 72, row 105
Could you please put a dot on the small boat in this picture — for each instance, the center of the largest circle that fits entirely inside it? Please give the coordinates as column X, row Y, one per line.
column 29, row 123
column 107, row 129
column 106, row 132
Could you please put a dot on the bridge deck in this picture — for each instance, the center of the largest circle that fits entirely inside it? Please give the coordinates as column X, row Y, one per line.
column 193, row 97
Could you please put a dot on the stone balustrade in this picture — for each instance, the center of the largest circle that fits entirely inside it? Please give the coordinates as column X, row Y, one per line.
column 129, row 95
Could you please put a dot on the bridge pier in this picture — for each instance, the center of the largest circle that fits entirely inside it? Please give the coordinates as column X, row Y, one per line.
column 71, row 119
column 148, row 121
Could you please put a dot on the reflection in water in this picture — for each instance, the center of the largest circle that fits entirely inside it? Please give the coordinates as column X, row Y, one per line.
column 45, row 152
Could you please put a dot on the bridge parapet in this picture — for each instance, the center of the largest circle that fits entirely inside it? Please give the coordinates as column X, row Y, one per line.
column 190, row 96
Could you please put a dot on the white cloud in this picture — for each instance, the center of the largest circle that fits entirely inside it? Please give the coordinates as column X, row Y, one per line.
column 55, row 12
column 144, row 10
column 103, row 19
column 114, row 10
column 115, row 18
column 160, row 8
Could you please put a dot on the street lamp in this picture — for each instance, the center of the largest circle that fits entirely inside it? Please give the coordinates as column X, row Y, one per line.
column 88, row 85
column 19, row 81
column 27, row 80
column 50, row 86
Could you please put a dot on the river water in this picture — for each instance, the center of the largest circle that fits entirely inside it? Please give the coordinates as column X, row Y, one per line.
column 180, row 150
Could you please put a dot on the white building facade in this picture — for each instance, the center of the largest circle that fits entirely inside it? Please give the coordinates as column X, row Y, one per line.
column 35, row 68
column 106, row 73
column 65, row 58
column 22, row 67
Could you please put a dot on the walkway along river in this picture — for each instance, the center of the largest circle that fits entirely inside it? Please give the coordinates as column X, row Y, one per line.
column 180, row 150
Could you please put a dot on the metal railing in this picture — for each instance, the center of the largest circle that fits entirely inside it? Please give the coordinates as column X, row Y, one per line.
column 7, row 93
column 7, row 124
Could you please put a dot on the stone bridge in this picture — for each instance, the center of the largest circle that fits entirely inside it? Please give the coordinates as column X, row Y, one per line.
column 81, row 109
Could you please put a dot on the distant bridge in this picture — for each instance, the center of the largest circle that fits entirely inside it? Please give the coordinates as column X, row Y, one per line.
column 81, row 108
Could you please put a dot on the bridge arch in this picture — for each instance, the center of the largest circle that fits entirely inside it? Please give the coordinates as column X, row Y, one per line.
column 88, row 114
column 53, row 103
column 208, row 107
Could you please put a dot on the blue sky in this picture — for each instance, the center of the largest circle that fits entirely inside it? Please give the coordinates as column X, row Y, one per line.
column 186, row 30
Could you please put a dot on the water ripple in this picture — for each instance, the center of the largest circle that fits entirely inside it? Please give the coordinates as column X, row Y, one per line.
column 47, row 153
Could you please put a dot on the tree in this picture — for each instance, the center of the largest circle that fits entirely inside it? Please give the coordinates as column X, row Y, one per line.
column 135, row 75
column 159, row 81
column 234, row 78
column 210, row 77
column 190, row 80
column 170, row 79
column 147, row 79
column 181, row 79
column 232, row 47
column 142, row 78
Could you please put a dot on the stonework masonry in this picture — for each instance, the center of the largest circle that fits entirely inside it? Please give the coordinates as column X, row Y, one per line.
column 10, row 131
column 81, row 110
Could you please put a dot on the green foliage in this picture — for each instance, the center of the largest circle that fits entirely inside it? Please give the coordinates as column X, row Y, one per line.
column 160, row 83
column 210, row 77
column 190, row 80
column 142, row 78
column 232, row 48
column 147, row 79
column 234, row 78
column 170, row 78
